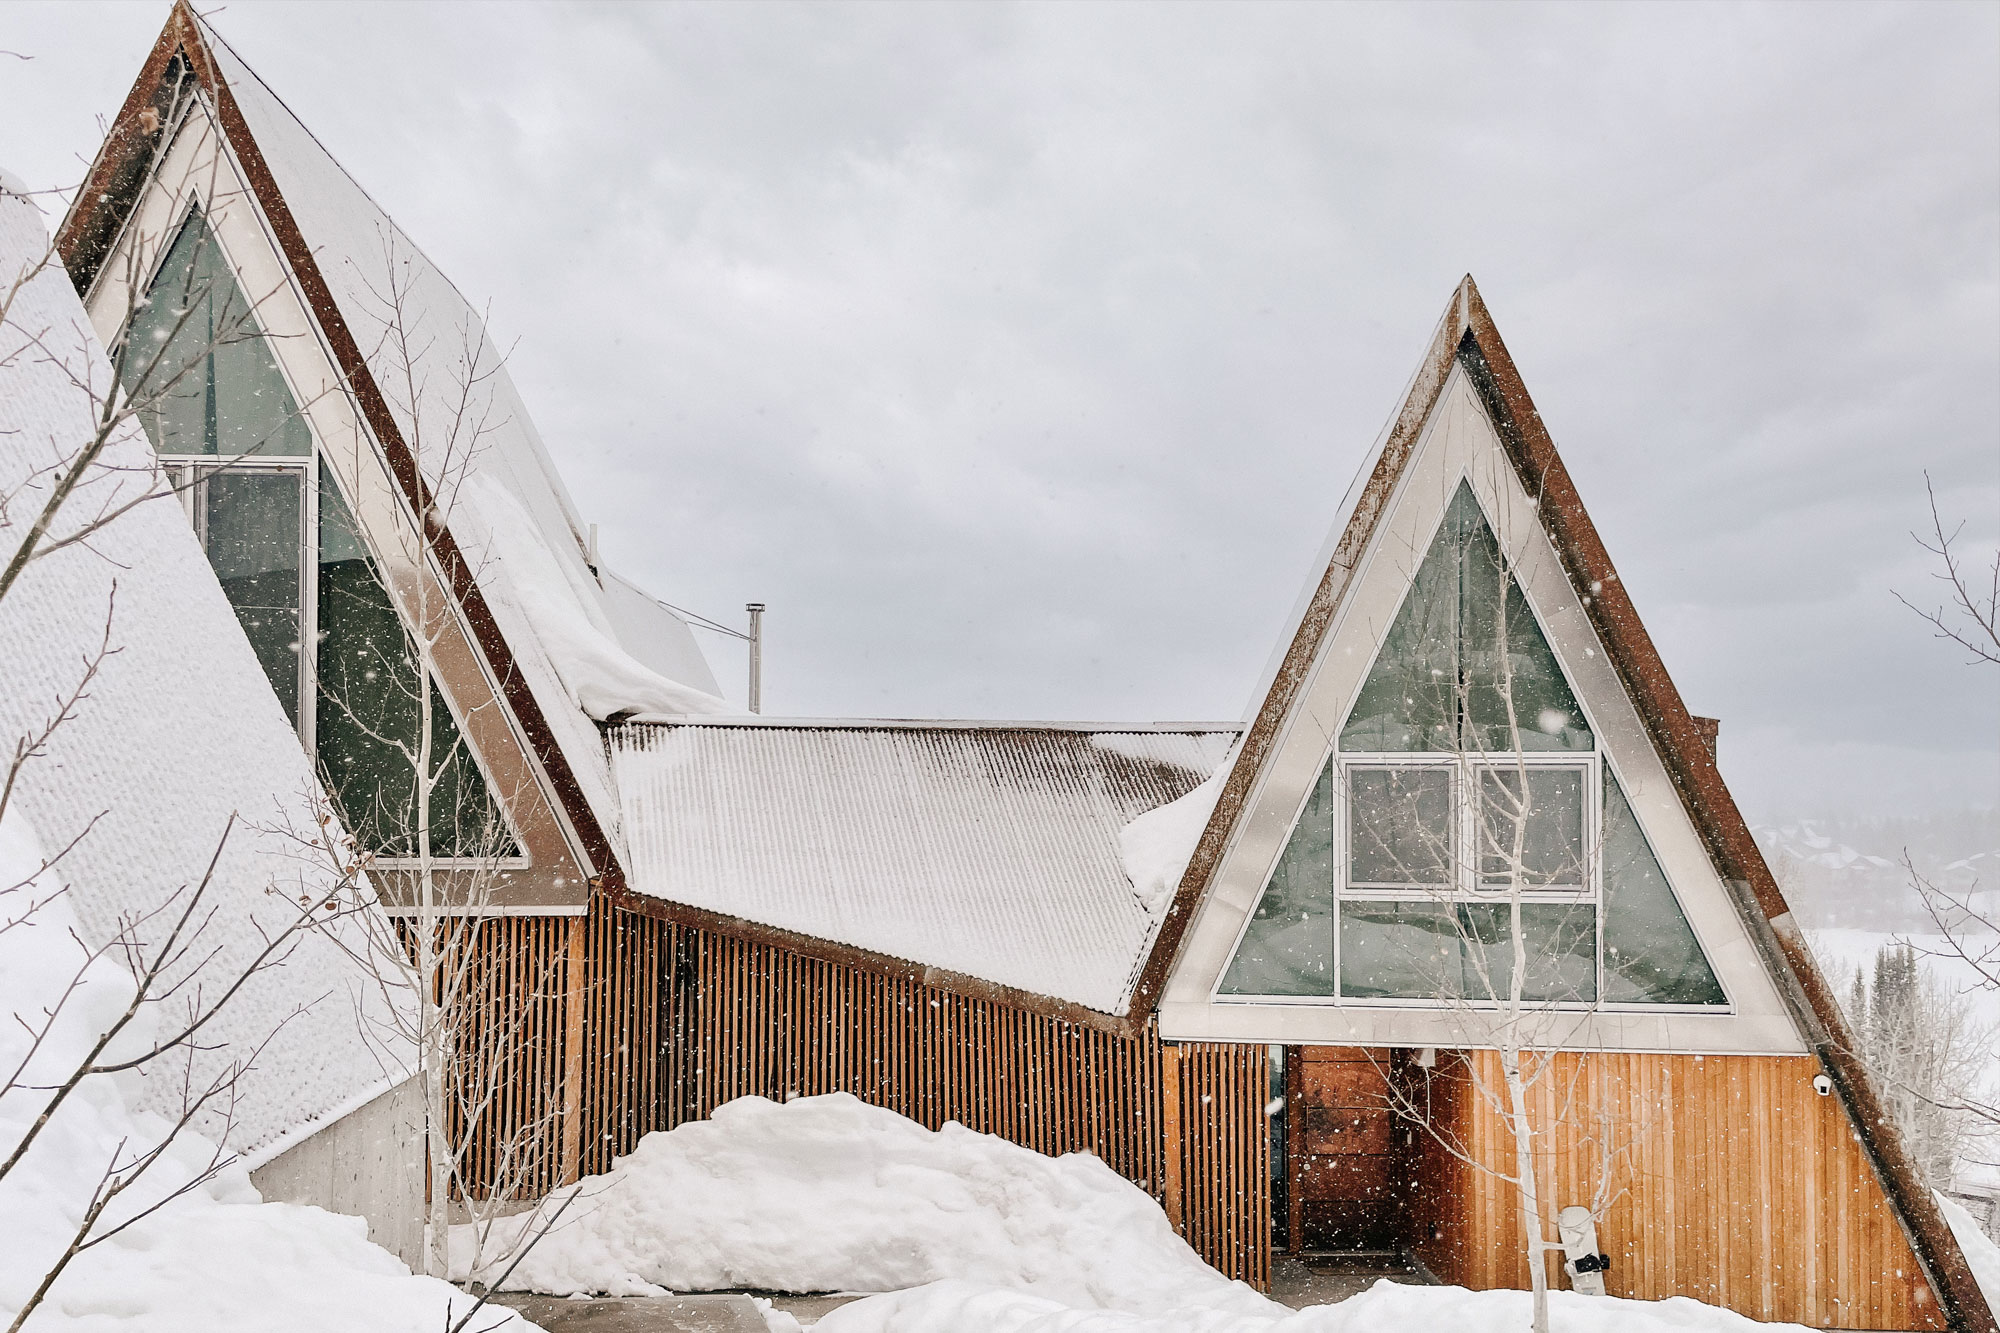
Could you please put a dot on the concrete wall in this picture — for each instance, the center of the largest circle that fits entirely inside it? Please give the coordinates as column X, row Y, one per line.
column 369, row 1164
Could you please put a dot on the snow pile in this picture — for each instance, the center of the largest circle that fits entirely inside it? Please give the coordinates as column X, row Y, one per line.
column 1982, row 1255
column 214, row 1260
column 968, row 1308
column 604, row 680
column 831, row 1194
column 1157, row 845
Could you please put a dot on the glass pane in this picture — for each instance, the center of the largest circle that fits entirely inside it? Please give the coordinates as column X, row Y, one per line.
column 1287, row 949
column 196, row 363
column 1534, row 841
column 1464, row 665
column 1399, row 828
column 369, row 715
column 251, row 523
column 1442, row 950
column 1650, row 953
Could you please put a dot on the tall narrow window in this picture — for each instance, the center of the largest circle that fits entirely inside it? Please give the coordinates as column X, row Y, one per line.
column 291, row 561
column 370, row 713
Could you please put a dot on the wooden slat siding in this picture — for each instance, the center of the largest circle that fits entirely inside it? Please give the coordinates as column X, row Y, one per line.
column 1741, row 1187
column 676, row 1021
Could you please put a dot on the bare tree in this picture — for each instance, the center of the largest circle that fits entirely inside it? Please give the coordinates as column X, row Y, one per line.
column 1483, row 853
column 1921, row 1040
column 1967, row 933
column 428, row 831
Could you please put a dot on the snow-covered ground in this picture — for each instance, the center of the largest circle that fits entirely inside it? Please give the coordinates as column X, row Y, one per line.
column 215, row 1260
column 959, row 1231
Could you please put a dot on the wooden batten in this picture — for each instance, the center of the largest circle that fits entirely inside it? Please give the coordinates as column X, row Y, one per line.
column 613, row 1025
column 1731, row 1181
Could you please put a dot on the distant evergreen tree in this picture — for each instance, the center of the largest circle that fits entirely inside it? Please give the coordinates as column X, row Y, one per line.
column 1920, row 1042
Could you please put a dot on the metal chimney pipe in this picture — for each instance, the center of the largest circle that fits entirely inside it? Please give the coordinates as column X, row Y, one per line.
column 756, row 610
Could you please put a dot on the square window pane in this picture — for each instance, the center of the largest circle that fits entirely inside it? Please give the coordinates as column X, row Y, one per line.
column 1531, row 835
column 1399, row 827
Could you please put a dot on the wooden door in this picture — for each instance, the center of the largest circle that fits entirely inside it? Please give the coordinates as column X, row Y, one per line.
column 1348, row 1152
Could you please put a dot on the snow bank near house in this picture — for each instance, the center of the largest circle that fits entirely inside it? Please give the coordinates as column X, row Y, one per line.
column 1157, row 846
column 831, row 1194
column 968, row 1308
column 1981, row 1254
column 513, row 563
column 215, row 1260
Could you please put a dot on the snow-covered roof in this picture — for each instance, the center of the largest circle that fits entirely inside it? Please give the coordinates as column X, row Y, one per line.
column 177, row 732
column 989, row 849
column 583, row 650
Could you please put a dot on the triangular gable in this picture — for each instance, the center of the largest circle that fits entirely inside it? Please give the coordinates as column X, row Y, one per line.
column 1467, row 385
column 322, row 231
column 1387, row 679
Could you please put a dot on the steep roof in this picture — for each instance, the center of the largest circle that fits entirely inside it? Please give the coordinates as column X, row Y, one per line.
column 176, row 735
column 566, row 648
column 989, row 850
column 1466, row 339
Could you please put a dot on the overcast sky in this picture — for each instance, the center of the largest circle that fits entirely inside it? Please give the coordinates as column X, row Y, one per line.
column 1019, row 356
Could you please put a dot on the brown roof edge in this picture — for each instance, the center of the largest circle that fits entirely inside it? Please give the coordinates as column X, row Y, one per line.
column 1297, row 662
column 111, row 185
column 109, row 195
column 847, row 955
column 1689, row 756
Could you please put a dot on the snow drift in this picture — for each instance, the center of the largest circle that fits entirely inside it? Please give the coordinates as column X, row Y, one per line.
column 968, row 1308
column 831, row 1194
column 958, row 1230
column 214, row 1260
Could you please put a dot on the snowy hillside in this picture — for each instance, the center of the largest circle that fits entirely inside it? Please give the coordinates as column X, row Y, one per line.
column 1849, row 873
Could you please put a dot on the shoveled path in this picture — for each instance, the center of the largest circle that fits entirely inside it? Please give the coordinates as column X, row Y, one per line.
column 723, row 1312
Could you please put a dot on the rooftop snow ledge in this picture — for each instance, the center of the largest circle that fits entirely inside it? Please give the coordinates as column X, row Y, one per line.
column 605, row 681
column 1157, row 846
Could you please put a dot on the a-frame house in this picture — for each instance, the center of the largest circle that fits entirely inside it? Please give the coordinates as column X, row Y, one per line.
column 941, row 917
column 388, row 527
column 1467, row 639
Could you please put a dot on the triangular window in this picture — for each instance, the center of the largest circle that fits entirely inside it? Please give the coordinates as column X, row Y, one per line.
column 196, row 365
column 369, row 716
column 1287, row 947
column 1467, row 778
column 1442, row 682
column 1650, row 953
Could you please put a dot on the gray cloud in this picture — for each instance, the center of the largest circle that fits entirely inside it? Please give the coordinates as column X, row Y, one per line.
column 1019, row 355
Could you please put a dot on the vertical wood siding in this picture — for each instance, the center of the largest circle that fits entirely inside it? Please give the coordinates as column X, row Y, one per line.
column 677, row 1021
column 1733, row 1182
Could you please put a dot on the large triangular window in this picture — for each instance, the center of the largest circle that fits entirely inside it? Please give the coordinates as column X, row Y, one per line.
column 206, row 385
column 197, row 366
column 1467, row 794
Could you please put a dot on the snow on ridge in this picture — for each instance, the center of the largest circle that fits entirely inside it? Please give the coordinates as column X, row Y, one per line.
column 603, row 679
column 1157, row 846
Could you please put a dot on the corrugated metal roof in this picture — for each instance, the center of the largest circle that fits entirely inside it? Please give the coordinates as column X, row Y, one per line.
column 988, row 849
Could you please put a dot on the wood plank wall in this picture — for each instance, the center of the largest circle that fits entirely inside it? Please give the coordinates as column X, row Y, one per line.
column 1734, row 1183
column 677, row 1021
